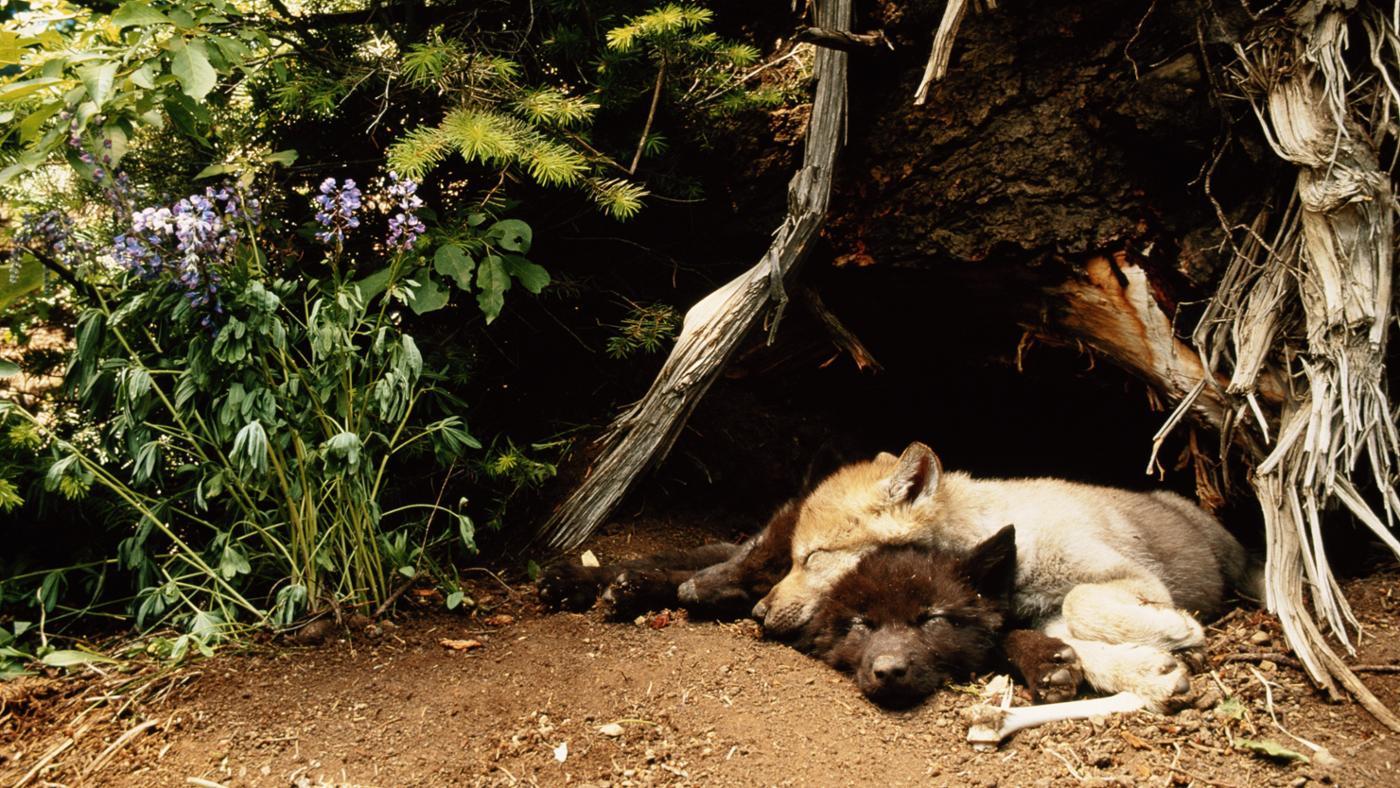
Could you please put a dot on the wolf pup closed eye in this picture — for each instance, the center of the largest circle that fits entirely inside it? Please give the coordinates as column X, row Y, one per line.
column 908, row 619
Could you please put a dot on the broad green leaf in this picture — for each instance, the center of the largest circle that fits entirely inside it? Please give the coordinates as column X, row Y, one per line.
column 454, row 599
column 531, row 276
column 453, row 263
column 98, row 81
column 428, row 296
column 16, row 285
column 8, row 369
column 143, row 77
column 33, row 123
column 493, row 281
column 71, row 658
column 212, row 170
column 233, row 562
column 374, row 284
column 286, row 158
column 191, row 66
column 466, row 529
column 136, row 13
column 1270, row 749
column 26, row 87
column 9, row 48
column 511, row 234
column 115, row 143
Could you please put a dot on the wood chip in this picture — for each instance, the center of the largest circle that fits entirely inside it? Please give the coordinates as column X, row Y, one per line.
column 460, row 645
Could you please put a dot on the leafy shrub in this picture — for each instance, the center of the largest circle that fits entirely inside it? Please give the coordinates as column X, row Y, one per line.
column 249, row 414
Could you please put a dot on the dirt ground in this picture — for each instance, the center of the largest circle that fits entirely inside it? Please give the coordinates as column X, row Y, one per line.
column 555, row 699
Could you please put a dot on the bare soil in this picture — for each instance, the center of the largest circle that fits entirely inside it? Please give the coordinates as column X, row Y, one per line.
column 559, row 699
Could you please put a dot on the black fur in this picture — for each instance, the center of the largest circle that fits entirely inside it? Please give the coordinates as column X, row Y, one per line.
column 717, row 580
column 908, row 619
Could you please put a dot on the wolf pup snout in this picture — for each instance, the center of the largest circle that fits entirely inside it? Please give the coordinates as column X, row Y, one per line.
column 909, row 619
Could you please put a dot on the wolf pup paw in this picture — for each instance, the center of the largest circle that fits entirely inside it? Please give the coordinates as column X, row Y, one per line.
column 1049, row 666
column 1165, row 683
column 570, row 587
column 633, row 592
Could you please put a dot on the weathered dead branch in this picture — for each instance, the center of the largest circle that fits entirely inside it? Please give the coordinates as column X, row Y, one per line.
column 713, row 328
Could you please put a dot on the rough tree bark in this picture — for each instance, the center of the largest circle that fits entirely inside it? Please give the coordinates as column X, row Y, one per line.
column 713, row 328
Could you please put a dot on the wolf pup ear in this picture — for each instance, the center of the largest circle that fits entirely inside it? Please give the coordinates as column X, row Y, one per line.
column 885, row 456
column 992, row 565
column 916, row 476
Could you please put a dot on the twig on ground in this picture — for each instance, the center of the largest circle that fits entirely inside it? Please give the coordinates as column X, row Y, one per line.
column 121, row 742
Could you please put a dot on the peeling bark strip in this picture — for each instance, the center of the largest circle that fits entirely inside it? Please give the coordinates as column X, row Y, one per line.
column 714, row 327
column 1338, row 251
column 1291, row 350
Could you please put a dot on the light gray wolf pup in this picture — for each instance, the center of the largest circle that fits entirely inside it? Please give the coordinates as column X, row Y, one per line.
column 1112, row 573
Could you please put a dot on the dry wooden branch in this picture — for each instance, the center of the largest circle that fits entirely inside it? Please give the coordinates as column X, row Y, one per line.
column 846, row 42
column 842, row 336
column 713, row 328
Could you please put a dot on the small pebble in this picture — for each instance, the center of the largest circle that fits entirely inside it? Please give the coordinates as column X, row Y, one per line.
column 1260, row 638
column 611, row 729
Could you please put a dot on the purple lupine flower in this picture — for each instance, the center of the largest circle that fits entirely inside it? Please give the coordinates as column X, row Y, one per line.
column 188, row 241
column 336, row 207
column 404, row 226
column 50, row 232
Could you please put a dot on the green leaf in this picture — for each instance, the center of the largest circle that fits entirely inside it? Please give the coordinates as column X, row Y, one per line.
column 531, row 276
column 1270, row 749
column 191, row 67
column 428, row 296
column 286, row 158
column 233, row 562
column 511, row 234
column 374, row 284
column 493, row 280
column 532, row 571
column 25, row 87
column 467, row 530
column 98, row 81
column 72, row 658
column 454, row 599
column 136, row 13
column 212, row 170
column 8, row 369
column 453, row 263
column 143, row 77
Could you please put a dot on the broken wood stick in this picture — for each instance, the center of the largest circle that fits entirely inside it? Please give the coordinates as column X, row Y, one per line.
column 842, row 336
column 846, row 42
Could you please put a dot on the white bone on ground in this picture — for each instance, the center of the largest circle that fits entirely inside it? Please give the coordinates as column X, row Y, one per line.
column 989, row 724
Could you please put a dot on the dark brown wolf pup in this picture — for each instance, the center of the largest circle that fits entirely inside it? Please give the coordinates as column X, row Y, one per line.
column 908, row 619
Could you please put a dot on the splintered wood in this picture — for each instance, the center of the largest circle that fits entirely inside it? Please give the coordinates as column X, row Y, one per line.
column 713, row 328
